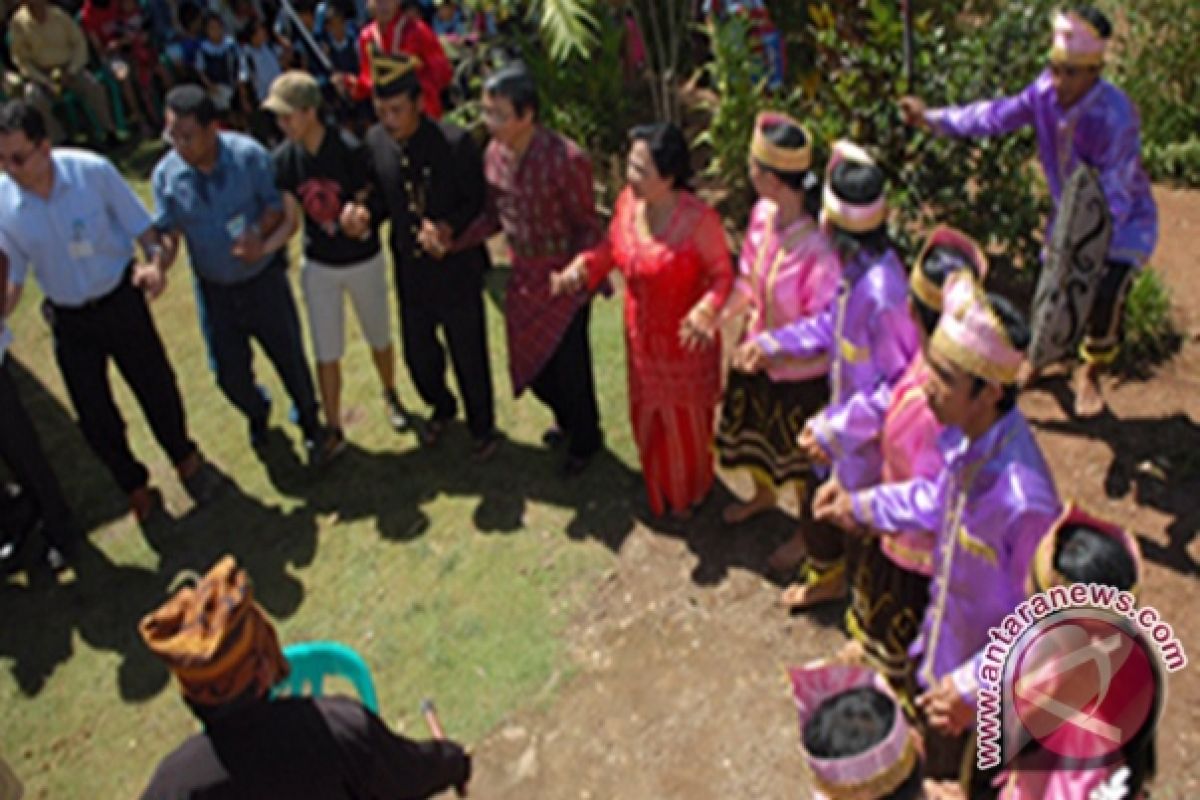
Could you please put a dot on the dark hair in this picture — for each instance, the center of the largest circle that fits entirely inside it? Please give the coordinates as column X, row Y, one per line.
column 1018, row 334
column 514, row 83
column 334, row 9
column 188, row 13
column 849, row 723
column 1084, row 555
column 209, row 16
column 859, row 184
column 939, row 263
column 190, row 100
column 669, row 149
column 806, row 182
column 247, row 31
column 17, row 116
column 1096, row 18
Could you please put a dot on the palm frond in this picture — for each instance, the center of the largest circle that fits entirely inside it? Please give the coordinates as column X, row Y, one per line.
column 568, row 26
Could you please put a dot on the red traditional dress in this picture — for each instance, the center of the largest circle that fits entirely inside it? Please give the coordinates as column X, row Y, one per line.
column 413, row 37
column 673, row 392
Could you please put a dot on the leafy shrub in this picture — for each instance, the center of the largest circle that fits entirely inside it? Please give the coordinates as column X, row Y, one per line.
column 1176, row 161
column 1150, row 335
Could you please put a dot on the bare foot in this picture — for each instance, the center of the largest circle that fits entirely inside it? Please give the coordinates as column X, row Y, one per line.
column 805, row 595
column 1027, row 375
column 1088, row 400
column 789, row 554
column 737, row 513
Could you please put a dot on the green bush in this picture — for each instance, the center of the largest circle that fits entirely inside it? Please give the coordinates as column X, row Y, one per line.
column 1178, row 162
column 1150, row 335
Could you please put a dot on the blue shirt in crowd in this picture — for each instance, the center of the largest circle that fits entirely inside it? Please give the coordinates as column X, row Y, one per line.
column 212, row 209
column 78, row 240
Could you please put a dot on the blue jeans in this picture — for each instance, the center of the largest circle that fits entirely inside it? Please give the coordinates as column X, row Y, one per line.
column 261, row 308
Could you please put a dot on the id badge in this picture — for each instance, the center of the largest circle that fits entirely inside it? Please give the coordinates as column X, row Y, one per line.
column 80, row 248
column 236, row 227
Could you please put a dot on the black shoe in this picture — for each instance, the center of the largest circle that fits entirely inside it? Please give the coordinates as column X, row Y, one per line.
column 325, row 448
column 204, row 484
column 485, row 446
column 554, row 437
column 431, row 432
column 575, row 465
column 398, row 415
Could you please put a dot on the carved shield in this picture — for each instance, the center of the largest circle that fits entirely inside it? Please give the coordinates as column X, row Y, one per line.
column 1074, row 263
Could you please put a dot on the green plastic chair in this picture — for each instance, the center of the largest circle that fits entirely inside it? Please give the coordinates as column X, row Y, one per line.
column 312, row 662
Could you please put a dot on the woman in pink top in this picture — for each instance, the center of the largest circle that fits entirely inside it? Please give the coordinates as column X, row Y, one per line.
column 787, row 271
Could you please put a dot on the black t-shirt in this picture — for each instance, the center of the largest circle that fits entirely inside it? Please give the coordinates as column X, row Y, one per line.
column 327, row 748
column 323, row 183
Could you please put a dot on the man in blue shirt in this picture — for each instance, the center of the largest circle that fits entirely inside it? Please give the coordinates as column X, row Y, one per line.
column 217, row 189
column 69, row 215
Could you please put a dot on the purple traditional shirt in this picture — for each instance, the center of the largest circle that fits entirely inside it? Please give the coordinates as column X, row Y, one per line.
column 991, row 505
column 784, row 275
column 871, row 339
column 1101, row 131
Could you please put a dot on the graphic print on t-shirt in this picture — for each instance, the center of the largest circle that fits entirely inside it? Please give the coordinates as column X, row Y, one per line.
column 322, row 201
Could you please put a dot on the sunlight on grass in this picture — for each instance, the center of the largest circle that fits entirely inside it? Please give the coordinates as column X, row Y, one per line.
column 454, row 580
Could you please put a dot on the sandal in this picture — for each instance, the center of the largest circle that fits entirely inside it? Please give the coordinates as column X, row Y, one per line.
column 815, row 588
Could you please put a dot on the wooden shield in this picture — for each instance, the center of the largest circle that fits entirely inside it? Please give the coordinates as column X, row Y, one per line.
column 1067, row 286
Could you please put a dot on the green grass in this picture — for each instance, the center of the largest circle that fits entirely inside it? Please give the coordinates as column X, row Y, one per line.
column 454, row 580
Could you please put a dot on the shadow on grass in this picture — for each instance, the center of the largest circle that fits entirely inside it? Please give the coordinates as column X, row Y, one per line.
column 91, row 492
column 1155, row 457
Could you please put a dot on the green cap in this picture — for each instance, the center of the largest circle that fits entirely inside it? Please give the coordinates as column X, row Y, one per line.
column 292, row 91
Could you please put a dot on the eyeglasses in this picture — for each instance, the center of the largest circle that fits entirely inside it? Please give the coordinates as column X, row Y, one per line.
column 18, row 160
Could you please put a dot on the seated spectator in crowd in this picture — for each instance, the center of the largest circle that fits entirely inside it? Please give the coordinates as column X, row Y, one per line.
column 51, row 53
column 259, row 69
column 217, row 63
column 339, row 39
column 117, row 30
column 225, row 654
column 449, row 20
column 184, row 48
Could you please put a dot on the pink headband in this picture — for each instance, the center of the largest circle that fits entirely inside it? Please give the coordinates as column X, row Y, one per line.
column 846, row 215
column 971, row 336
column 1076, row 42
column 874, row 773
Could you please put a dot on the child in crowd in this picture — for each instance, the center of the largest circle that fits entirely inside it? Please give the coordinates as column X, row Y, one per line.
column 449, row 20
column 184, row 48
column 217, row 63
column 259, row 68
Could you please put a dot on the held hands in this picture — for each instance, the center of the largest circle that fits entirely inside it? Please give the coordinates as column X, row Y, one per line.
column 749, row 357
column 435, row 238
column 698, row 328
column 355, row 220
column 945, row 709
column 248, row 248
column 808, row 444
column 832, row 504
column 572, row 278
column 150, row 279
column 912, row 111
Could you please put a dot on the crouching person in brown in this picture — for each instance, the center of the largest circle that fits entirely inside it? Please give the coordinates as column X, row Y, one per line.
column 224, row 652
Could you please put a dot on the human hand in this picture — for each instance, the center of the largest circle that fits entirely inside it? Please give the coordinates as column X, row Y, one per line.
column 808, row 444
column 569, row 279
column 248, row 248
column 355, row 220
column 749, row 357
column 945, row 709
column 698, row 328
column 912, row 111
column 833, row 504
column 435, row 238
column 150, row 279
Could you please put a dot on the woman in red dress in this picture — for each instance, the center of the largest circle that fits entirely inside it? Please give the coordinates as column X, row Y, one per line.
column 671, row 249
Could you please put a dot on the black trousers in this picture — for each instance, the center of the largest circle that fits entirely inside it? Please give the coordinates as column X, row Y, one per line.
column 118, row 327
column 1102, row 337
column 462, row 324
column 566, row 385
column 22, row 451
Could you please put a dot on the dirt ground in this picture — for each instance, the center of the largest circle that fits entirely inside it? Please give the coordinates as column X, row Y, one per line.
column 678, row 688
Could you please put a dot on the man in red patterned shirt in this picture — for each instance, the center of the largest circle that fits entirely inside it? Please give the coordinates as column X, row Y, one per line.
column 540, row 196
column 398, row 28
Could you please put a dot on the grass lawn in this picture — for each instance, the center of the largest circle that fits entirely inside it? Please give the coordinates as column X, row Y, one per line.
column 454, row 580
